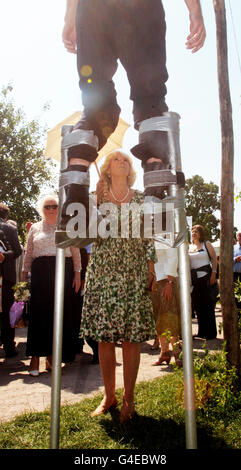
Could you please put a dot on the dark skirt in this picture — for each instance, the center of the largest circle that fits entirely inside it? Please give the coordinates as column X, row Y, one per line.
column 41, row 311
column 205, row 309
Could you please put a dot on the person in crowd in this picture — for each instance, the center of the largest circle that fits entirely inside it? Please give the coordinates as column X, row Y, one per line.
column 8, row 265
column 116, row 306
column 84, row 253
column 40, row 259
column 237, row 263
column 166, row 303
column 203, row 276
column 19, row 260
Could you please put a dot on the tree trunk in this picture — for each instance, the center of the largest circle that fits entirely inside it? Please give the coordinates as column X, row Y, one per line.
column 229, row 310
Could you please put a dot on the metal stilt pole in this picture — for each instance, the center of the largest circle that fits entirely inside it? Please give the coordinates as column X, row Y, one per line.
column 186, row 315
column 169, row 123
column 186, row 323
column 58, row 322
column 180, row 223
column 57, row 348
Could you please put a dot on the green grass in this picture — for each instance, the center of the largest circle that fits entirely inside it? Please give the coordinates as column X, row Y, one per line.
column 159, row 423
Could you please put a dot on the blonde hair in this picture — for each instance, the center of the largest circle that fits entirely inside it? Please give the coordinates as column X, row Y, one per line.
column 105, row 167
column 41, row 202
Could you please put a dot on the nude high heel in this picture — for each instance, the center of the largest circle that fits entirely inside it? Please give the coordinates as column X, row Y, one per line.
column 103, row 408
column 164, row 357
column 127, row 410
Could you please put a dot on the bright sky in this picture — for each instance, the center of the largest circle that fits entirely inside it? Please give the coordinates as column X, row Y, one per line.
column 33, row 58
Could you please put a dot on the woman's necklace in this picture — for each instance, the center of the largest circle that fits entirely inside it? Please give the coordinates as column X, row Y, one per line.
column 120, row 200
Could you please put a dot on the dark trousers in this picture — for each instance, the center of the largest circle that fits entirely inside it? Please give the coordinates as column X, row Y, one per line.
column 8, row 333
column 204, row 308
column 134, row 32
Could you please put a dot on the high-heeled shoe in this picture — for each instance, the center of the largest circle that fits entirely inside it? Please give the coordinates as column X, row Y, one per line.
column 103, row 408
column 34, row 373
column 164, row 357
column 34, row 366
column 127, row 410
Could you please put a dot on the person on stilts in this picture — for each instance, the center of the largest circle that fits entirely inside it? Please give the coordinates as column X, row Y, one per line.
column 100, row 32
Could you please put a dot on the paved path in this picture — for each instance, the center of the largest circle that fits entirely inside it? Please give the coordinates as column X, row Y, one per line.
column 19, row 392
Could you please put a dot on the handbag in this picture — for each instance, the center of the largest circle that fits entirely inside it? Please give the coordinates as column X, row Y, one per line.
column 213, row 292
column 15, row 313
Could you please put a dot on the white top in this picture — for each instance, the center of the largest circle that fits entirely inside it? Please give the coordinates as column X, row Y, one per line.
column 198, row 259
column 41, row 242
column 167, row 261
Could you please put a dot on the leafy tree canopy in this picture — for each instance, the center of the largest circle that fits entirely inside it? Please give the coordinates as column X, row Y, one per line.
column 202, row 202
column 24, row 170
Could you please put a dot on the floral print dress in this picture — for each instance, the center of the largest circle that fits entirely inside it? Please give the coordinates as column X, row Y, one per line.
column 117, row 306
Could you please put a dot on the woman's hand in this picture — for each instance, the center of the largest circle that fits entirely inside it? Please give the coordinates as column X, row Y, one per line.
column 151, row 283
column 24, row 276
column 212, row 278
column 168, row 290
column 76, row 281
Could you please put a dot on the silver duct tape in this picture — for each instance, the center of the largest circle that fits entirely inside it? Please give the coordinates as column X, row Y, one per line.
column 79, row 137
column 167, row 122
column 159, row 178
column 66, row 129
column 74, row 177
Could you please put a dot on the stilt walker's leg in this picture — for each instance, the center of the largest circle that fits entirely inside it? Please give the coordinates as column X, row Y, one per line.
column 164, row 183
column 78, row 216
column 159, row 151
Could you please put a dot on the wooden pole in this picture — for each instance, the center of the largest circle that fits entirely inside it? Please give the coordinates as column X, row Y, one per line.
column 229, row 311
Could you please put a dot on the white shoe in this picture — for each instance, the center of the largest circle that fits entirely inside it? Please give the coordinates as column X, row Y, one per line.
column 34, row 373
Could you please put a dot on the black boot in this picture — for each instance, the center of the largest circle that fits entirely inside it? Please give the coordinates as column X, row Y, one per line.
column 153, row 144
column 75, row 193
column 158, row 191
column 158, row 138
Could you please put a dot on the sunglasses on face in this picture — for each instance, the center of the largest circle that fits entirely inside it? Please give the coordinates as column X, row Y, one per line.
column 50, row 206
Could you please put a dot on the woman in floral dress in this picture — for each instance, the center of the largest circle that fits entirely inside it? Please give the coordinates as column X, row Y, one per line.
column 116, row 303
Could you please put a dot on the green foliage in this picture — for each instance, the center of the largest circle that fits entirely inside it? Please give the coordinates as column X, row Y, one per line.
column 159, row 423
column 215, row 385
column 237, row 290
column 237, row 196
column 24, row 170
column 237, row 293
column 202, row 201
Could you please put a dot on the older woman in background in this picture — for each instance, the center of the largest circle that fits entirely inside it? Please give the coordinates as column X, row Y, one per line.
column 40, row 259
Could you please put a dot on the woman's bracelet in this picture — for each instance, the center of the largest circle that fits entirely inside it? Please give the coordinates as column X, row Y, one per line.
column 213, row 271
